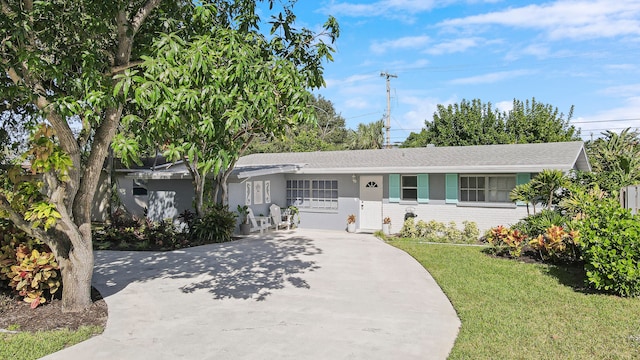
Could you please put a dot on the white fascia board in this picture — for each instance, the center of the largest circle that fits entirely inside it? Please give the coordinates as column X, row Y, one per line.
column 438, row 169
column 269, row 171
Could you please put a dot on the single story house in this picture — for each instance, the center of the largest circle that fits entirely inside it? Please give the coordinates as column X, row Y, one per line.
column 435, row 183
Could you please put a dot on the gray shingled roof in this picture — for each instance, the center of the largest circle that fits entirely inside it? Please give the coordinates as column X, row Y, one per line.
column 459, row 159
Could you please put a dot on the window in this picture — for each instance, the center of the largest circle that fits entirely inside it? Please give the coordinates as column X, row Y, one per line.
column 139, row 187
column 485, row 188
column 409, row 190
column 313, row 194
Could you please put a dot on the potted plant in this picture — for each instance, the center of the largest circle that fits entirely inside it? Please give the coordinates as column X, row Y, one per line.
column 295, row 216
column 245, row 227
column 386, row 225
column 351, row 223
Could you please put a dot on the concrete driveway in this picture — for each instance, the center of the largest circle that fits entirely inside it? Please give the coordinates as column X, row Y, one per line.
column 299, row 294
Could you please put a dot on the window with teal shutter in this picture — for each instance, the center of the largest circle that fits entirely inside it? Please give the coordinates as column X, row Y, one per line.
column 451, row 189
column 423, row 188
column 522, row 178
column 394, row 187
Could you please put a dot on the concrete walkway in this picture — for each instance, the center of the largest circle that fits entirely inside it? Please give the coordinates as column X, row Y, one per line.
column 286, row 295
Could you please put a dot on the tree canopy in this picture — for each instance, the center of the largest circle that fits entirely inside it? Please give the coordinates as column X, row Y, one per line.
column 477, row 123
column 75, row 62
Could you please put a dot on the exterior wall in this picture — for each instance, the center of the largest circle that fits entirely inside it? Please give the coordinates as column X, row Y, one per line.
column 484, row 217
column 168, row 198
column 237, row 192
column 133, row 204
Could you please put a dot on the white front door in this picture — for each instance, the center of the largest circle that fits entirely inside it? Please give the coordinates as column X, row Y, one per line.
column 371, row 202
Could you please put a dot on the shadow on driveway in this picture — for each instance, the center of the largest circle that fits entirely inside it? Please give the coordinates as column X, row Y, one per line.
column 249, row 268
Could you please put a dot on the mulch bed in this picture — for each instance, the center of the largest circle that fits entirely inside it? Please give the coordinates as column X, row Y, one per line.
column 17, row 315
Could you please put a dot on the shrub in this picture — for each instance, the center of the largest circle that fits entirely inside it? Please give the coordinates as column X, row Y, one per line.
column 504, row 240
column 27, row 266
column 439, row 232
column 215, row 226
column 538, row 224
column 557, row 244
column 610, row 245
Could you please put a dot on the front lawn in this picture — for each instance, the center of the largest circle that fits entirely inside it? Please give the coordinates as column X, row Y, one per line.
column 515, row 310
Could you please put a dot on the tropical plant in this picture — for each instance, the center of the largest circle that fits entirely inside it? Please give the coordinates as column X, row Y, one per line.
column 351, row 219
column 557, row 244
column 243, row 212
column 504, row 240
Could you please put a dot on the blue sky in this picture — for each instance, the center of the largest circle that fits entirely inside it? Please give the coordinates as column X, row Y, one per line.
column 582, row 53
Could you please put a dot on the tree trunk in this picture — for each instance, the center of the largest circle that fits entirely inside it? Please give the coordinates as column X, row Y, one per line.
column 77, row 272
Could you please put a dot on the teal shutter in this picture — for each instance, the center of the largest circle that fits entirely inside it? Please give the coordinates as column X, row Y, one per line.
column 522, row 178
column 423, row 188
column 394, row 187
column 451, row 191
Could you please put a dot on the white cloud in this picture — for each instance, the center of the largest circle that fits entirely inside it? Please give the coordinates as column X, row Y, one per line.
column 490, row 78
column 505, row 106
column 421, row 110
column 454, row 46
column 564, row 19
column 388, row 8
column 408, row 42
column 622, row 90
column 622, row 67
column 615, row 119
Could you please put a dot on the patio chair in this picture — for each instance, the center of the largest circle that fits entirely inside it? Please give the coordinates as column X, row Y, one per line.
column 257, row 222
column 277, row 219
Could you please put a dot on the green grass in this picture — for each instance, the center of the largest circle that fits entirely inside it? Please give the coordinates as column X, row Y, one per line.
column 24, row 346
column 513, row 310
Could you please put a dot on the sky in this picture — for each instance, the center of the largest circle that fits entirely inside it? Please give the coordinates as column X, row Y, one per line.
column 563, row 53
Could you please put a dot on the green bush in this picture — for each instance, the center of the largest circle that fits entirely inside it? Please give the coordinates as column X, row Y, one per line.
column 504, row 240
column 610, row 245
column 537, row 224
column 215, row 226
column 435, row 231
column 27, row 266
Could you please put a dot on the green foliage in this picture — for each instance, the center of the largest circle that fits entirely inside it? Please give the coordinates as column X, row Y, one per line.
column 538, row 223
column 477, row 123
column 610, row 246
column 216, row 226
column 557, row 244
column 27, row 266
column 30, row 346
column 615, row 159
column 504, row 240
column 367, row 136
column 434, row 231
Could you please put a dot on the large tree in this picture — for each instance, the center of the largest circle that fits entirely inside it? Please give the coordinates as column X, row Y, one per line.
column 477, row 123
column 615, row 160
column 327, row 133
column 204, row 97
column 63, row 63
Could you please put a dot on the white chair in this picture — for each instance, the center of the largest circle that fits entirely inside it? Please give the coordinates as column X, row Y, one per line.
column 277, row 219
column 257, row 223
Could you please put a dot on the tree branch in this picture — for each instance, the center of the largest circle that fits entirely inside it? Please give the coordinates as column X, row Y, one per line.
column 19, row 221
column 142, row 14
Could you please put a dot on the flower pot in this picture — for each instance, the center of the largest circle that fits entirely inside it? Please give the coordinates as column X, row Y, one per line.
column 386, row 229
column 245, row 229
column 351, row 227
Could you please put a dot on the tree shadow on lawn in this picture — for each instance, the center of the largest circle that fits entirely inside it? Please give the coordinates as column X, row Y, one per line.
column 571, row 275
column 249, row 268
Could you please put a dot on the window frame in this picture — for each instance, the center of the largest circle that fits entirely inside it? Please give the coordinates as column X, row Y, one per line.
column 486, row 190
column 312, row 194
column 408, row 188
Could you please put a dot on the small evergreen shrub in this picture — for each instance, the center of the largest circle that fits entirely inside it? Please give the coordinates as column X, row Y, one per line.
column 435, row 231
column 610, row 245
column 215, row 226
column 537, row 224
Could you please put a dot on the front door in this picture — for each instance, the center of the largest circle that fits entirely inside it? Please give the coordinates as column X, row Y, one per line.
column 371, row 202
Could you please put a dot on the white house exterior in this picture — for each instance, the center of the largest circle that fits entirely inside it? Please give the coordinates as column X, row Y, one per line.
column 435, row 183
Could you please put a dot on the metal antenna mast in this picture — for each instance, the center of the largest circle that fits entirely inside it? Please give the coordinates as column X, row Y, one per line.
column 388, row 126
